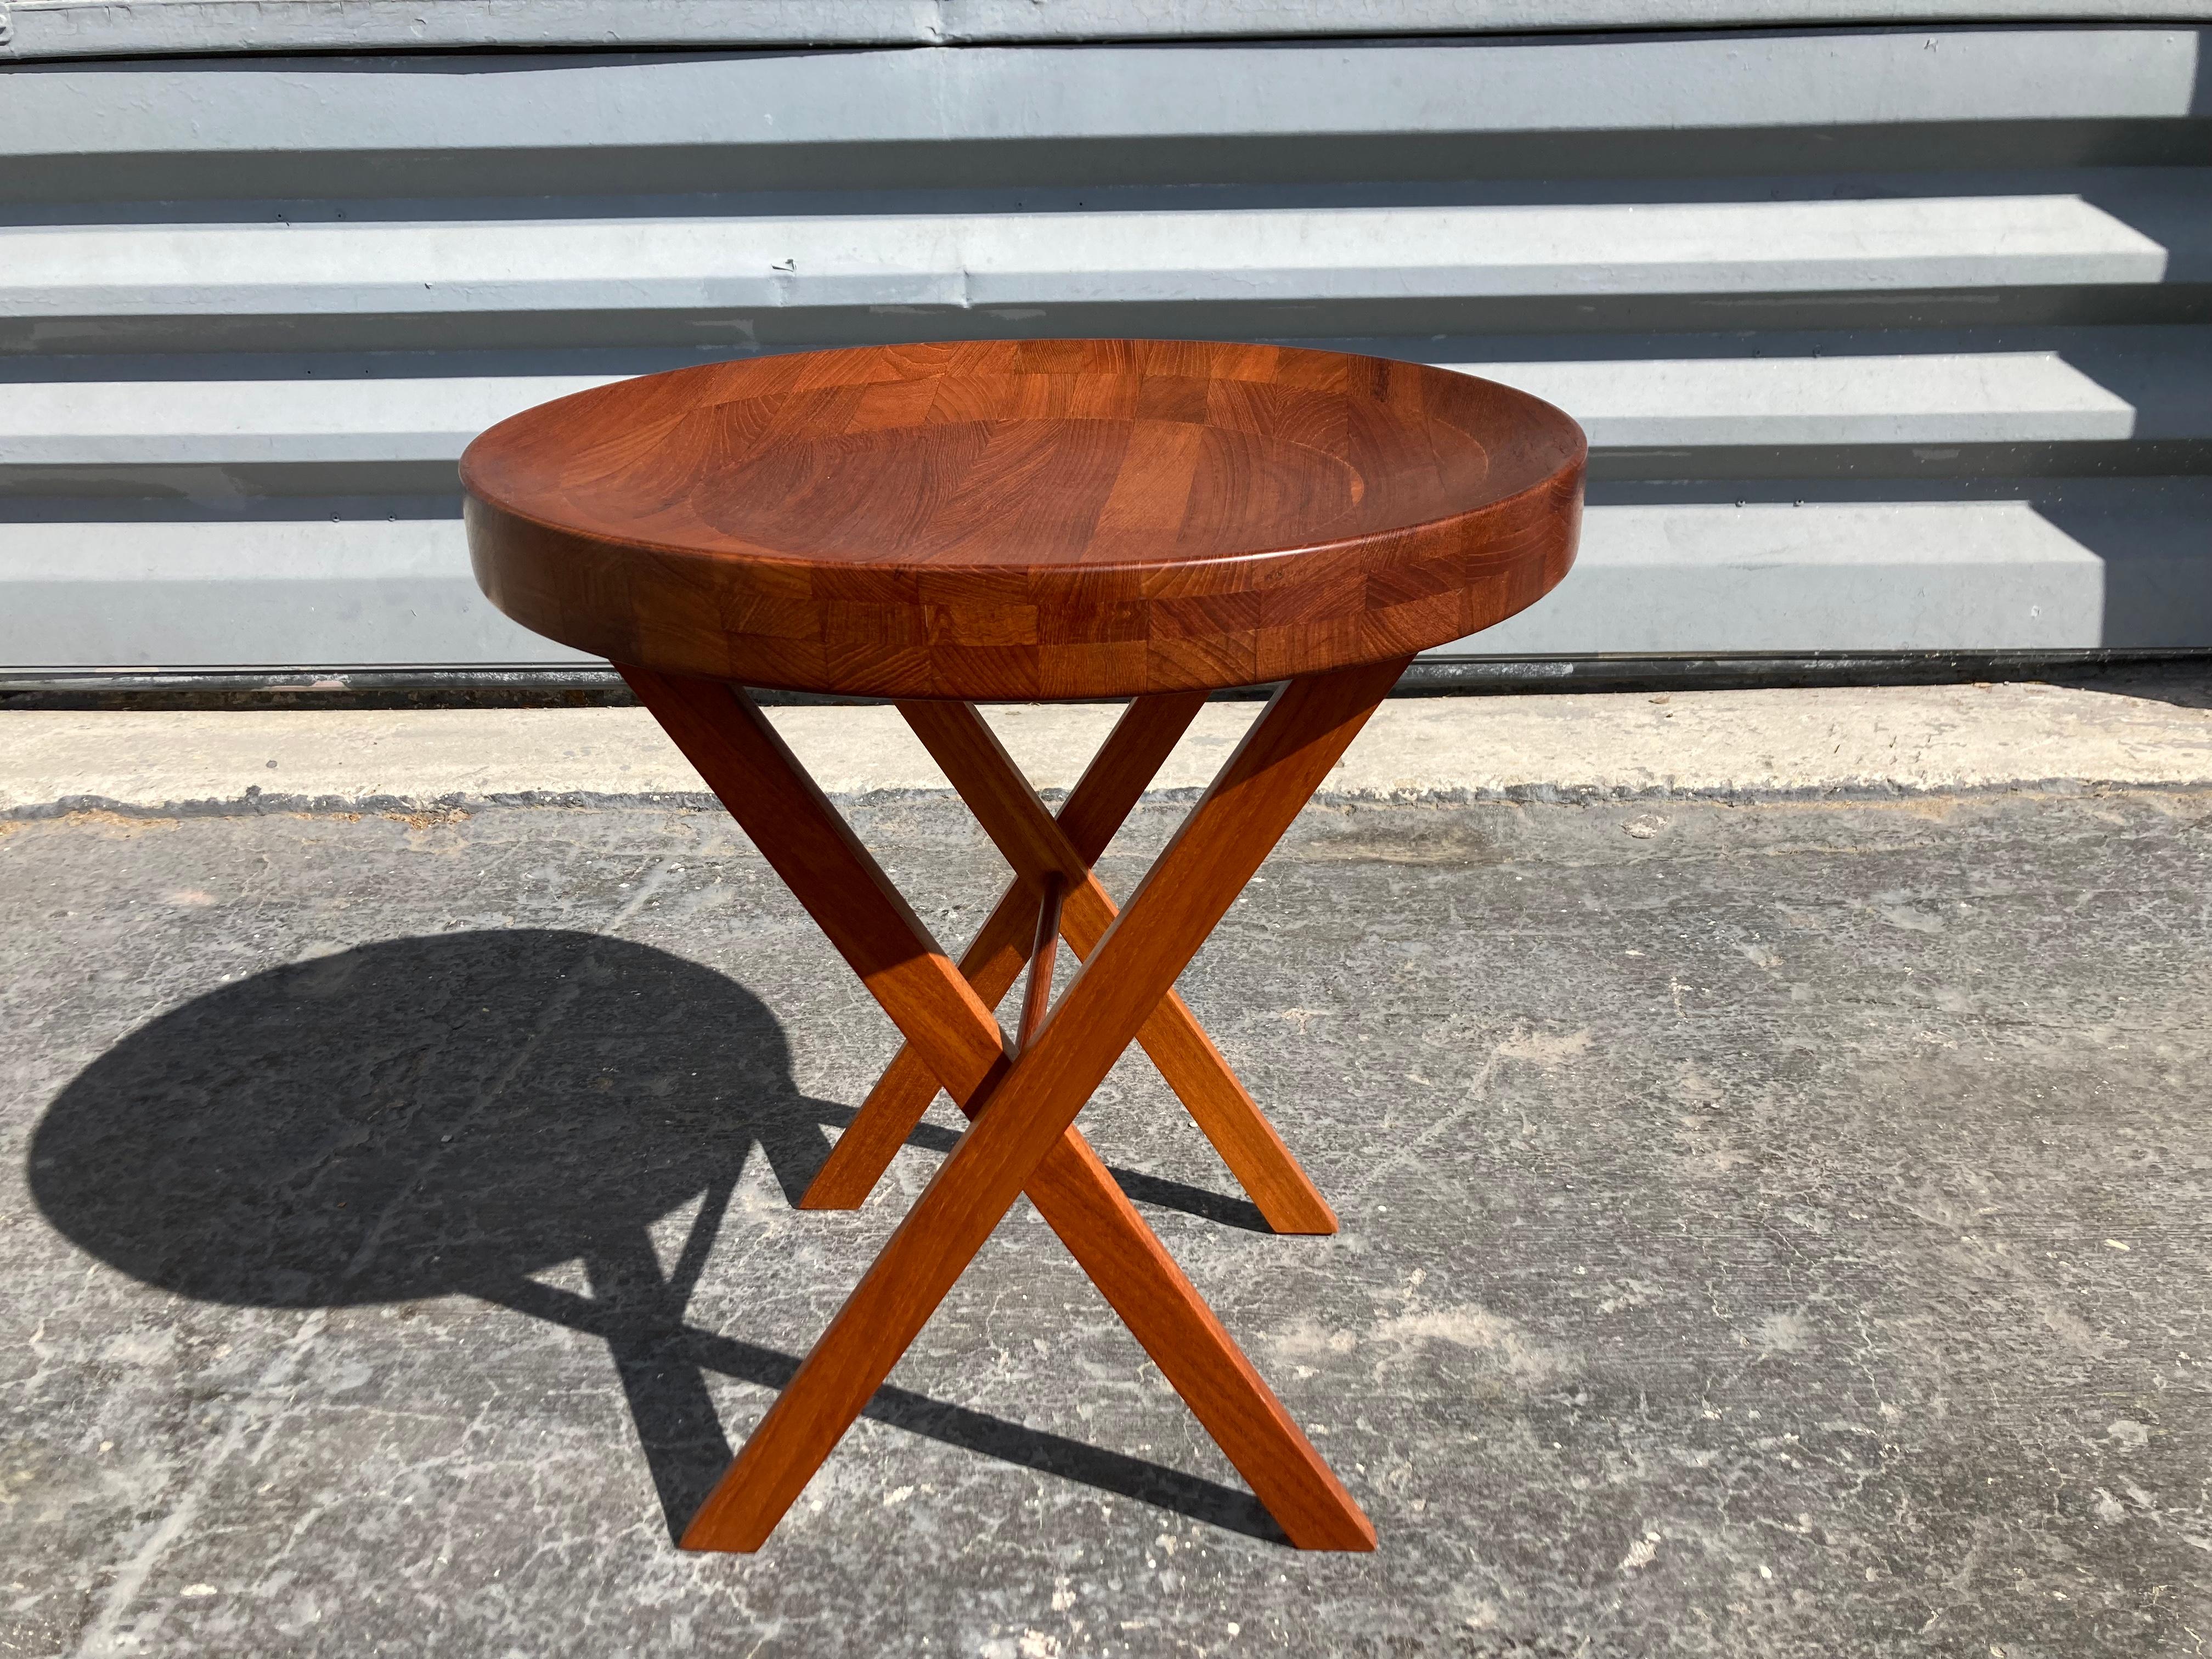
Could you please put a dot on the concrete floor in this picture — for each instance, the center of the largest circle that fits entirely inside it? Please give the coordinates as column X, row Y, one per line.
column 2149, row 725
column 1769, row 1229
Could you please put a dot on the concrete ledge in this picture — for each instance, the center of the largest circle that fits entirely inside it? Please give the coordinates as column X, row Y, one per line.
column 2155, row 731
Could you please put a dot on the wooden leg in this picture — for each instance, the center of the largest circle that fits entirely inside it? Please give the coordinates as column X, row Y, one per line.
column 1109, row 786
column 960, row 741
column 1036, row 995
column 1172, row 1037
column 1024, row 1110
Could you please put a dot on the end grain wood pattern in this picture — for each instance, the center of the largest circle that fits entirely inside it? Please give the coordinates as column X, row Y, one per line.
column 1025, row 519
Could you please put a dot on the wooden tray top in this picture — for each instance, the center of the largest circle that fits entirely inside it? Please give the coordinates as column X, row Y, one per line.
column 1022, row 519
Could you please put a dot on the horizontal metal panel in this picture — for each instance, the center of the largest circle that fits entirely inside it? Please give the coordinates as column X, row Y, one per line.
column 76, row 27
column 474, row 126
column 2121, row 566
column 2026, row 250
column 304, row 590
column 2110, row 564
column 1884, row 340
column 2096, row 387
column 2020, row 237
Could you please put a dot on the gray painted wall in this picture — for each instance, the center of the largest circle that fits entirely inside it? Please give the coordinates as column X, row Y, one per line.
column 1885, row 338
column 72, row 29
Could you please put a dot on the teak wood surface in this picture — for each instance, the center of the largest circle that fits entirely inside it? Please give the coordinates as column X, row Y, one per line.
column 1024, row 518
column 1078, row 519
column 1110, row 786
column 1027, row 1139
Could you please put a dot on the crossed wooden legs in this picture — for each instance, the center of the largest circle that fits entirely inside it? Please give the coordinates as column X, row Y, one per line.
column 1025, row 1138
column 1038, row 846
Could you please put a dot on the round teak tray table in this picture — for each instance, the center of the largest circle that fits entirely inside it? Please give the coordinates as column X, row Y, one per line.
column 946, row 523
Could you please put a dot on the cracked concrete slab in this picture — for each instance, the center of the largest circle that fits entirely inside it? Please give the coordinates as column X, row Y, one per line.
column 1771, row 1228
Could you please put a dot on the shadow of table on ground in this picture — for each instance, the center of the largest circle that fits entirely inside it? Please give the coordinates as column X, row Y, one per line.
column 453, row 1114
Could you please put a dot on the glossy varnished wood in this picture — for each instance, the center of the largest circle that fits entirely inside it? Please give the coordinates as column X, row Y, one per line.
column 1108, row 789
column 1040, row 850
column 1044, row 945
column 947, row 523
column 1024, row 518
column 1026, row 1138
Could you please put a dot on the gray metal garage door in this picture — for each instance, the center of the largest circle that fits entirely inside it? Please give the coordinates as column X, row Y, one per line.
column 1886, row 337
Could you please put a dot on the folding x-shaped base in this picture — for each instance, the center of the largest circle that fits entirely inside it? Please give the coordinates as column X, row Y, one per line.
column 1041, row 847
column 1023, row 1101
